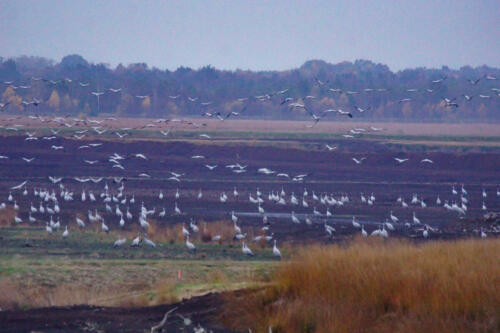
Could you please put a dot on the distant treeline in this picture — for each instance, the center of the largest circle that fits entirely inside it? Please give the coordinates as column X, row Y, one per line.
column 42, row 86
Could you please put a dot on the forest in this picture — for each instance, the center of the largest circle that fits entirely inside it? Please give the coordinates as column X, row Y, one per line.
column 370, row 91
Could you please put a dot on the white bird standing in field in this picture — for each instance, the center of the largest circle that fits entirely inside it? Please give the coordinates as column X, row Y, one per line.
column 193, row 226
column 185, row 232
column 142, row 221
column 149, row 242
column 394, row 218
column 190, row 245
column 177, row 209
column 415, row 219
column 276, row 251
column 425, row 233
column 363, row 231
column 135, row 242
column 483, row 234
column 104, row 227
column 384, row 232
column 237, row 229
column 66, row 232
column 389, row 225
column 329, row 229
column 354, row 223
column 80, row 223
column 119, row 242
column 246, row 250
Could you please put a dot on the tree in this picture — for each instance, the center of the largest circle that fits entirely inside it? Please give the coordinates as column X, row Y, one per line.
column 54, row 100
column 8, row 93
column 8, row 70
column 9, row 96
column 72, row 61
column 86, row 109
column 146, row 103
column 223, row 88
column 66, row 103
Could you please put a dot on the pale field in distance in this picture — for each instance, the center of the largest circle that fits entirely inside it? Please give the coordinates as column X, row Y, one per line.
column 334, row 127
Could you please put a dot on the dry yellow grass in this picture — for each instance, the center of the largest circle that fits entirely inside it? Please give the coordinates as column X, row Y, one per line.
column 14, row 294
column 7, row 216
column 380, row 287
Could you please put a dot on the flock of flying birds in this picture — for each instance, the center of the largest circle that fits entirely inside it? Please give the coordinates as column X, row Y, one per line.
column 114, row 208
column 293, row 103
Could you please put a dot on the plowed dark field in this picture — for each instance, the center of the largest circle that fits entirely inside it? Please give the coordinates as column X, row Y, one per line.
column 328, row 172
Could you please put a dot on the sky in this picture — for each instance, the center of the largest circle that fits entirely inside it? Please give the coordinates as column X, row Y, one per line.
column 256, row 35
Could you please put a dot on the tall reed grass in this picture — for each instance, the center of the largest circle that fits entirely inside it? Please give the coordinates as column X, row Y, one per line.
column 376, row 286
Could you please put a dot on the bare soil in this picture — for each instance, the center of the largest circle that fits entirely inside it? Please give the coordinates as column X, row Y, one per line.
column 202, row 310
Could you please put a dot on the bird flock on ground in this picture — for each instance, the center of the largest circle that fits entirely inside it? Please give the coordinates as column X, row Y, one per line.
column 113, row 207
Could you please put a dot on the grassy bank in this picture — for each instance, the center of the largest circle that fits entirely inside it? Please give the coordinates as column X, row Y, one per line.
column 380, row 287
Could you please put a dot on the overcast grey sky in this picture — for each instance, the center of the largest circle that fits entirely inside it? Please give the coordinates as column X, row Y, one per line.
column 255, row 34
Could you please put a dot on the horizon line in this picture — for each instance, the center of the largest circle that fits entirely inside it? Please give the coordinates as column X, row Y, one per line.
column 150, row 67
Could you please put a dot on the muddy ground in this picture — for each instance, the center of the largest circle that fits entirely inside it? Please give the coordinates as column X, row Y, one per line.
column 202, row 310
column 331, row 172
